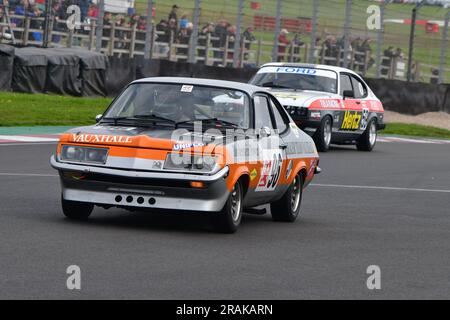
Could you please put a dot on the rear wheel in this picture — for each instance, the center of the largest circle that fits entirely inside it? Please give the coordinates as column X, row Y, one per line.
column 322, row 137
column 368, row 139
column 287, row 208
column 76, row 210
column 229, row 219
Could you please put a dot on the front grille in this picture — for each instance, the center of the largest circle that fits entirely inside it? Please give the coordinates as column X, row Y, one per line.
column 142, row 182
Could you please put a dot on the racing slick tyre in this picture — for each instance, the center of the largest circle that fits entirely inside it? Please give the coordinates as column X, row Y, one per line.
column 322, row 137
column 368, row 139
column 229, row 219
column 76, row 210
column 287, row 208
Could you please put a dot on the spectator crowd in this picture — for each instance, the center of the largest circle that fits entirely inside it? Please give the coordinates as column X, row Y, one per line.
column 178, row 29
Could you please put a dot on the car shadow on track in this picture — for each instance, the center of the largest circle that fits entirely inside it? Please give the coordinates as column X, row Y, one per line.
column 161, row 221
column 343, row 148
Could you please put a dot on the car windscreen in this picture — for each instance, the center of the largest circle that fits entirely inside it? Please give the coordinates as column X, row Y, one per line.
column 182, row 104
column 296, row 78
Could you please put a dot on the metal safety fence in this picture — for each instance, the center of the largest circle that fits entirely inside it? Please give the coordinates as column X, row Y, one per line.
column 375, row 38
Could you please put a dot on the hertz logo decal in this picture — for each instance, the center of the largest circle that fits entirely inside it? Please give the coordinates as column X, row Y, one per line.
column 351, row 120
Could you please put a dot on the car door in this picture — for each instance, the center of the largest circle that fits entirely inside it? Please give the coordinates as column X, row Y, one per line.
column 351, row 114
column 285, row 135
column 361, row 92
column 270, row 154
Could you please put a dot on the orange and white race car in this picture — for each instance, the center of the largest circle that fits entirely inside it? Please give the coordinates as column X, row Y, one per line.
column 334, row 105
column 188, row 144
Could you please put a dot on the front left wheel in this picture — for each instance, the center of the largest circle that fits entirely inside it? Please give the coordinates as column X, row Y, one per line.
column 229, row 219
column 287, row 209
column 76, row 210
column 322, row 137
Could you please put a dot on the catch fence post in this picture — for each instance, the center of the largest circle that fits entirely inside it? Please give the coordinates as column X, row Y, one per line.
column 207, row 48
column 26, row 31
column 348, row 20
column 277, row 31
column 237, row 40
column 225, row 52
column 380, row 39
column 444, row 45
column 92, row 35
column 171, row 45
column 132, row 40
column 99, row 29
column 148, row 33
column 315, row 15
column 70, row 39
column 193, row 41
column 259, row 53
column 112, row 38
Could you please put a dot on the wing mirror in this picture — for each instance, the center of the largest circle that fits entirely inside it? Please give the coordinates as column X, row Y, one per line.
column 98, row 118
column 264, row 132
column 349, row 94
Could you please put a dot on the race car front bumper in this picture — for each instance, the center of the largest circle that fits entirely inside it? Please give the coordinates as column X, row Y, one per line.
column 109, row 187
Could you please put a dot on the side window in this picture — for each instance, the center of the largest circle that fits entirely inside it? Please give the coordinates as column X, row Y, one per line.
column 262, row 113
column 279, row 119
column 359, row 88
column 346, row 84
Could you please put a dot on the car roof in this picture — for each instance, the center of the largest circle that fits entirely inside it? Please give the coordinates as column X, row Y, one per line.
column 308, row 65
column 248, row 88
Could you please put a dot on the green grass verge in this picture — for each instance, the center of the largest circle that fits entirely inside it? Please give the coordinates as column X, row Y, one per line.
column 415, row 130
column 18, row 109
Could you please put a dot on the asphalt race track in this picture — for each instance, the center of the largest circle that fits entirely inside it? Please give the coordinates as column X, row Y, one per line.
column 389, row 208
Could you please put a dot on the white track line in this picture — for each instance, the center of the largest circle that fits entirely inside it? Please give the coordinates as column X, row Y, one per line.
column 412, row 140
column 27, row 144
column 28, row 139
column 5, row 174
column 377, row 188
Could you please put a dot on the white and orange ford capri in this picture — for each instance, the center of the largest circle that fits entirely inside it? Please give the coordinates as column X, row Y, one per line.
column 188, row 144
column 332, row 104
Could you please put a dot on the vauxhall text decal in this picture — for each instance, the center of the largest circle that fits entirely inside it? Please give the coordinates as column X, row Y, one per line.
column 94, row 138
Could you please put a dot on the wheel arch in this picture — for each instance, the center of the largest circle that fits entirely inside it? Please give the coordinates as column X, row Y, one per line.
column 245, row 183
column 299, row 168
column 240, row 173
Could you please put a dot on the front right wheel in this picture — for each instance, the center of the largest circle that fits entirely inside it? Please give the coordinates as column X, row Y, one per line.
column 368, row 139
column 287, row 208
column 229, row 219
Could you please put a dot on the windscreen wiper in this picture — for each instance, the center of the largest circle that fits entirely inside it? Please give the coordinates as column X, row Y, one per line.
column 152, row 117
column 136, row 118
column 115, row 119
column 211, row 120
column 274, row 85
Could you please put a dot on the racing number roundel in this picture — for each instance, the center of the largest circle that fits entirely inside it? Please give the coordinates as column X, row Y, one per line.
column 270, row 174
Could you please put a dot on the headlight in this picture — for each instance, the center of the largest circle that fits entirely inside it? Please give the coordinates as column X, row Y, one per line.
column 190, row 162
column 297, row 111
column 84, row 154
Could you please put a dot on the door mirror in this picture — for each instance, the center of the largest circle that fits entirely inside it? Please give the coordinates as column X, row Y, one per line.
column 264, row 132
column 98, row 118
column 349, row 94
